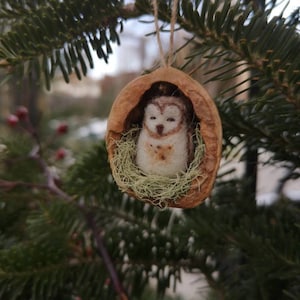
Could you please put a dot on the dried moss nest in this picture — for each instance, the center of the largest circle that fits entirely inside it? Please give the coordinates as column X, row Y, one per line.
column 156, row 189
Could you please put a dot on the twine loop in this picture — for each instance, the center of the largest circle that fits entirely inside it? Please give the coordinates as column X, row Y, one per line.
column 164, row 62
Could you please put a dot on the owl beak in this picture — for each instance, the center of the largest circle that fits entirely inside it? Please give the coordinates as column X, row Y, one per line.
column 160, row 129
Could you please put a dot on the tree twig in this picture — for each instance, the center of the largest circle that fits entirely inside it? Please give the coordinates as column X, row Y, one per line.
column 89, row 217
column 102, row 251
column 52, row 187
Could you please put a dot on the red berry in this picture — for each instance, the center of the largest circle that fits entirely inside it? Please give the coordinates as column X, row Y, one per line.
column 89, row 251
column 60, row 154
column 107, row 282
column 62, row 128
column 22, row 112
column 12, row 120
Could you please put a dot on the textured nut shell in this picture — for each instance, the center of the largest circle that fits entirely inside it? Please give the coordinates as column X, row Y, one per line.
column 204, row 108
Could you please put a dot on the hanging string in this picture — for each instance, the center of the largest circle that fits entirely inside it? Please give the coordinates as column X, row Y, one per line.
column 165, row 63
column 161, row 51
column 172, row 29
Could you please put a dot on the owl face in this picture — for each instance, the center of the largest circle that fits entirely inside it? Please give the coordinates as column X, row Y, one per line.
column 164, row 116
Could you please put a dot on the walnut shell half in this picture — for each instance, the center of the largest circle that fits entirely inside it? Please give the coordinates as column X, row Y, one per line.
column 204, row 108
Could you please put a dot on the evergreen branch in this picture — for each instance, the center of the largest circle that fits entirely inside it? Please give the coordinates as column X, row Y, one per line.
column 60, row 277
column 52, row 187
column 254, row 120
column 135, row 223
column 102, row 251
column 253, row 249
column 7, row 185
column 58, row 34
column 247, row 243
column 89, row 217
column 269, row 47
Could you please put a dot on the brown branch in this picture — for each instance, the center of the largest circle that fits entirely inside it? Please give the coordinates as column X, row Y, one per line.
column 52, row 187
column 89, row 217
column 102, row 251
column 7, row 185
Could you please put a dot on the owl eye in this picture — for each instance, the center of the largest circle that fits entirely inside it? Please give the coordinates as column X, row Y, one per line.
column 152, row 118
column 170, row 119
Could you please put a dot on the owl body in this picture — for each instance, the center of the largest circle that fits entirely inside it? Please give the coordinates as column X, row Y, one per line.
column 164, row 143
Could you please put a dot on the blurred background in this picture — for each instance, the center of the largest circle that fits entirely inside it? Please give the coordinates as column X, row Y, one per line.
column 84, row 105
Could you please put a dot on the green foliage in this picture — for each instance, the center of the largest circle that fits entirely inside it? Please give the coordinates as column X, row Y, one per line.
column 16, row 159
column 237, row 33
column 49, row 259
column 136, row 234
column 53, row 260
column 93, row 165
column 254, row 249
column 48, row 250
column 229, row 236
column 270, row 124
column 13, row 212
column 57, row 34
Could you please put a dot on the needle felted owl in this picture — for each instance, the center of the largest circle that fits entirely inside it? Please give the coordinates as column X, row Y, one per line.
column 165, row 143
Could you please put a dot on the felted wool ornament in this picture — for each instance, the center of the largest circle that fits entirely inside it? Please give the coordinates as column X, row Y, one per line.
column 164, row 139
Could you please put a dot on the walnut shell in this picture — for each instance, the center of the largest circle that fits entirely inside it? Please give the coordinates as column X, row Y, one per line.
column 205, row 110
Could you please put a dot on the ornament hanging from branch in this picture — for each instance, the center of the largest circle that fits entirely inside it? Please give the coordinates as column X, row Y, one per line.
column 164, row 137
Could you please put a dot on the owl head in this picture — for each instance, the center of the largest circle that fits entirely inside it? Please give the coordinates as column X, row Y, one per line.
column 164, row 115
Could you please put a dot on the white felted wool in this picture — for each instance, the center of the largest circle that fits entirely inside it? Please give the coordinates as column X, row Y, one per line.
column 164, row 141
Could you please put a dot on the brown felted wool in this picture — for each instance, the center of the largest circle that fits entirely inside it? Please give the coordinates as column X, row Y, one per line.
column 128, row 110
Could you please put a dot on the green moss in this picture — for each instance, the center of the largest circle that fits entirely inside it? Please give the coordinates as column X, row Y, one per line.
column 157, row 189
